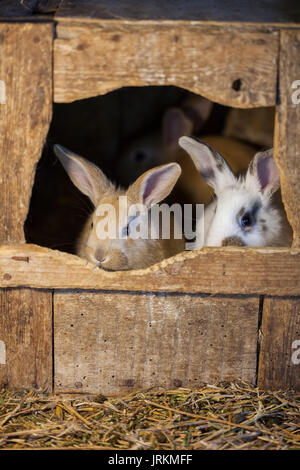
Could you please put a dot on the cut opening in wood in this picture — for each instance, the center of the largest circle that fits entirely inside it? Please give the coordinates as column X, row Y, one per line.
column 125, row 133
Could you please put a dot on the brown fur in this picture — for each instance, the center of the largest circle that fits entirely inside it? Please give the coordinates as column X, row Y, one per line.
column 150, row 188
column 232, row 241
column 137, row 254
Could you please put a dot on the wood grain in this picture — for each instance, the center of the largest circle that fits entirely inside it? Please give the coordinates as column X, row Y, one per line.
column 25, row 70
column 26, row 314
column 113, row 343
column 25, row 329
column 226, row 270
column 287, row 137
column 95, row 58
column 280, row 330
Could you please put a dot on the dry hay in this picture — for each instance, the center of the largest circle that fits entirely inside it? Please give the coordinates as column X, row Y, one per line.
column 233, row 416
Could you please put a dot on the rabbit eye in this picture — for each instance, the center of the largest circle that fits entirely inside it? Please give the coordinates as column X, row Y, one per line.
column 125, row 231
column 246, row 220
column 140, row 156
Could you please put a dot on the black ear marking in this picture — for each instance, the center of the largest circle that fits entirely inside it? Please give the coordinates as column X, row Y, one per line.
column 220, row 162
column 210, row 164
column 208, row 174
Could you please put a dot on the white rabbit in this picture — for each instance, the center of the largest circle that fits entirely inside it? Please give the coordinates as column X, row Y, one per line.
column 123, row 251
column 247, row 210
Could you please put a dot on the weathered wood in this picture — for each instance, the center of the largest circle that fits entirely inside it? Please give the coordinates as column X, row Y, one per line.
column 25, row 332
column 25, row 112
column 279, row 362
column 256, row 11
column 25, row 314
column 112, row 343
column 94, row 58
column 226, row 270
column 287, row 138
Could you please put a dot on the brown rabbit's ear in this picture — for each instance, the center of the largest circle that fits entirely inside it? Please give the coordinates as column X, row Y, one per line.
column 175, row 124
column 197, row 109
column 210, row 164
column 86, row 176
column 154, row 185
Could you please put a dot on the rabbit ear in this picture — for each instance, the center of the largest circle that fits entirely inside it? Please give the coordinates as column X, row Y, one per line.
column 264, row 169
column 211, row 166
column 155, row 184
column 86, row 176
column 175, row 124
column 197, row 109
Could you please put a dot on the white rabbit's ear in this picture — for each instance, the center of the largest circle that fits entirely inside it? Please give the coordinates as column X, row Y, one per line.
column 155, row 184
column 86, row 176
column 265, row 172
column 175, row 124
column 211, row 166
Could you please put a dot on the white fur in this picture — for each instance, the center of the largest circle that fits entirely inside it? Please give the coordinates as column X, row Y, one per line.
column 255, row 194
column 221, row 219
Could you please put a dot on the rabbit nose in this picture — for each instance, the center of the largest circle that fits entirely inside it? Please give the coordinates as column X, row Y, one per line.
column 233, row 241
column 100, row 255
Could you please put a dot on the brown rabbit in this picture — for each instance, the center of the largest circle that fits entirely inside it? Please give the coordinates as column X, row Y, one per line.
column 161, row 147
column 122, row 251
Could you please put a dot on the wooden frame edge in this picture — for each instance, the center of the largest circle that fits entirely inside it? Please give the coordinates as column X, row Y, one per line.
column 273, row 271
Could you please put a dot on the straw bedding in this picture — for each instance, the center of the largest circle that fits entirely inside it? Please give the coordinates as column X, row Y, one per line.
column 226, row 416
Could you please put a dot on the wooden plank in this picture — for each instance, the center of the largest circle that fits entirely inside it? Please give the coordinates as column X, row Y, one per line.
column 114, row 343
column 25, row 332
column 26, row 86
column 226, row 270
column 94, row 58
column 25, row 113
column 287, row 123
column 279, row 362
column 258, row 11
